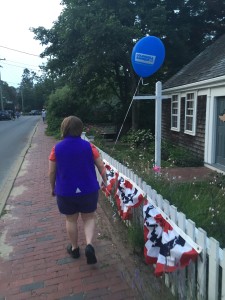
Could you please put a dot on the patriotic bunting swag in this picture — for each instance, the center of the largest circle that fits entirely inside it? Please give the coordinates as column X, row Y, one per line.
column 127, row 196
column 166, row 246
column 112, row 179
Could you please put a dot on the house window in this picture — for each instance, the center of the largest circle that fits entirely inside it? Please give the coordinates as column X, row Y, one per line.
column 175, row 113
column 190, row 114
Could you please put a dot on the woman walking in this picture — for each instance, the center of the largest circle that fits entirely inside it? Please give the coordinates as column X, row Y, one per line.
column 74, row 182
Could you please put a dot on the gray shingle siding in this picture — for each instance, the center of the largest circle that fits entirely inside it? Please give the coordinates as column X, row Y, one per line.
column 195, row 144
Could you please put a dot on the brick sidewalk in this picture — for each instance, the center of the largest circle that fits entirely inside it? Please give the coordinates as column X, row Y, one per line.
column 33, row 261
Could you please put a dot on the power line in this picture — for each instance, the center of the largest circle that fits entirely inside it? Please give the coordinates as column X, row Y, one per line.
column 32, row 68
column 19, row 51
column 6, row 60
column 11, row 61
column 22, row 67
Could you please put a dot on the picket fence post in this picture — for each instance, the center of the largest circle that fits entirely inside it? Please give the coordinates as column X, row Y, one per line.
column 213, row 271
column 166, row 207
column 202, row 265
column 182, row 282
column 191, row 268
column 223, row 276
column 173, row 213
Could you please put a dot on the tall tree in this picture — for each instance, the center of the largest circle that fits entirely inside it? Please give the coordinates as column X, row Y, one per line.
column 89, row 46
column 26, row 90
column 9, row 96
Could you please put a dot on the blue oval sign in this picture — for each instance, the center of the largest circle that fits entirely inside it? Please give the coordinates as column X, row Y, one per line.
column 147, row 56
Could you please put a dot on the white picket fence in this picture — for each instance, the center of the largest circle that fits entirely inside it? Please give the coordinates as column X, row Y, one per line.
column 203, row 280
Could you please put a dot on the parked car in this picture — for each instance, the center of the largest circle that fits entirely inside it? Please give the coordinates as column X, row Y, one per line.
column 34, row 112
column 4, row 115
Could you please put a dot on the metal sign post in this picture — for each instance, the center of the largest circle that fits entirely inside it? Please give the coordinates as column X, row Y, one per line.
column 158, row 123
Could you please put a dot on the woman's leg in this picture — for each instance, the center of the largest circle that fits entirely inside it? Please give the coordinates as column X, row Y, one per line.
column 89, row 226
column 72, row 229
column 89, row 229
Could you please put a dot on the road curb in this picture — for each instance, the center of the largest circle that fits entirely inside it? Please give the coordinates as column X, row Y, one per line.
column 8, row 183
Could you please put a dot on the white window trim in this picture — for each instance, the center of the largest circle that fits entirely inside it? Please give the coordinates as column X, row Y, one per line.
column 193, row 132
column 178, row 113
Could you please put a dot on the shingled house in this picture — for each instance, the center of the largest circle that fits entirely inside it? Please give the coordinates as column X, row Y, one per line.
column 193, row 116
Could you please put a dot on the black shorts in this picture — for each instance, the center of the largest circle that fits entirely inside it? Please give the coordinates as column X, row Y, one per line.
column 77, row 204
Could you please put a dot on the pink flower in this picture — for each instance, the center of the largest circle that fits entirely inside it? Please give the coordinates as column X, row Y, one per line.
column 156, row 169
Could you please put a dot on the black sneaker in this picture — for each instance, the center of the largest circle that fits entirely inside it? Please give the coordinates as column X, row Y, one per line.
column 75, row 253
column 90, row 254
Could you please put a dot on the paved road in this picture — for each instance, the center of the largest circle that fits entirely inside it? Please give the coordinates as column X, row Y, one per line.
column 14, row 136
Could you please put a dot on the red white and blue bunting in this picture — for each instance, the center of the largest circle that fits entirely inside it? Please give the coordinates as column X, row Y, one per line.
column 127, row 196
column 167, row 247
column 112, row 179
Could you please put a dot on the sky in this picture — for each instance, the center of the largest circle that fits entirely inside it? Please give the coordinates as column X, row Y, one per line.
column 16, row 17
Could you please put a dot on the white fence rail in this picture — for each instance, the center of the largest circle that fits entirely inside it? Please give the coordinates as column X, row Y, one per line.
column 203, row 280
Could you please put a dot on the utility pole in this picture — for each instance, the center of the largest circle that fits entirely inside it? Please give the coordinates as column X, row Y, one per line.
column 21, row 91
column 2, row 107
column 1, row 98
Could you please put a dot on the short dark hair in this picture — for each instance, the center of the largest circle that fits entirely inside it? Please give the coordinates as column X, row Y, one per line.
column 72, row 126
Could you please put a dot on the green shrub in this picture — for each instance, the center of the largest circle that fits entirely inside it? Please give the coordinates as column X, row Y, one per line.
column 139, row 138
column 62, row 103
column 182, row 157
column 53, row 128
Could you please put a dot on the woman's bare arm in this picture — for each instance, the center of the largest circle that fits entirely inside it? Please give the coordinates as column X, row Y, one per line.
column 101, row 169
column 52, row 175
